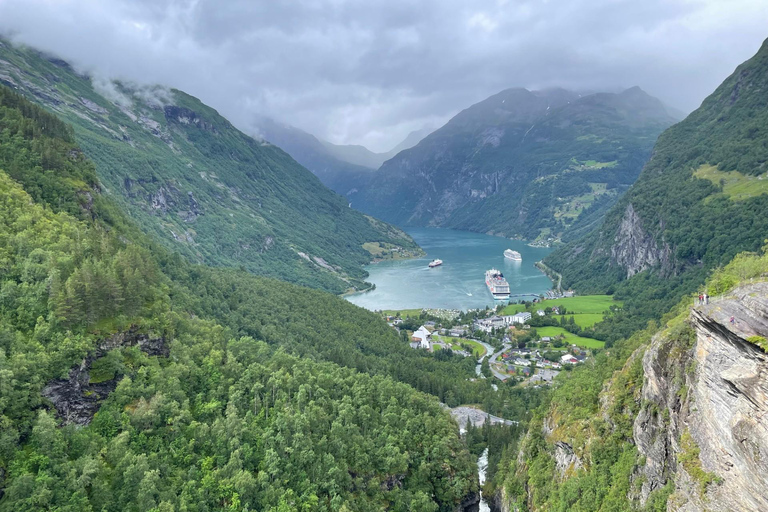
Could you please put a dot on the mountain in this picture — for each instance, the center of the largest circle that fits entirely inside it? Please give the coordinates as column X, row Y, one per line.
column 673, row 416
column 355, row 154
column 343, row 168
column 521, row 163
column 360, row 155
column 336, row 173
column 133, row 379
column 202, row 187
column 699, row 201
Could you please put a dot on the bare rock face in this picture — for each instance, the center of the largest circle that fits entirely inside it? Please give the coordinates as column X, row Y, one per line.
column 185, row 116
column 162, row 200
column 75, row 398
column 565, row 459
column 715, row 392
column 501, row 502
column 635, row 250
column 471, row 503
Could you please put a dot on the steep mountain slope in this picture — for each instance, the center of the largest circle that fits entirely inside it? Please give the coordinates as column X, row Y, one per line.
column 700, row 199
column 205, row 189
column 336, row 173
column 121, row 391
column 671, row 419
column 521, row 163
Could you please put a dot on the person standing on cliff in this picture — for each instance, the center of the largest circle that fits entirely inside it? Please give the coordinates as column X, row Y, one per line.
column 733, row 320
column 706, row 298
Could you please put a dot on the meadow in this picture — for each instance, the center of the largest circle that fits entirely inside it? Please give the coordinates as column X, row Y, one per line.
column 570, row 338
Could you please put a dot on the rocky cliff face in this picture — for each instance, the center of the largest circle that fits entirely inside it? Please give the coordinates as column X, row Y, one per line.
column 634, row 250
column 704, row 422
column 76, row 398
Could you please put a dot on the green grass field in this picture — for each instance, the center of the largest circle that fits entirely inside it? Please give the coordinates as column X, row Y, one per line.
column 570, row 338
column 477, row 349
column 736, row 185
column 587, row 304
column 584, row 320
column 587, row 309
column 512, row 309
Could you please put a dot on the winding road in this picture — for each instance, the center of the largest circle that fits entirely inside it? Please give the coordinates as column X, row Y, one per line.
column 494, row 355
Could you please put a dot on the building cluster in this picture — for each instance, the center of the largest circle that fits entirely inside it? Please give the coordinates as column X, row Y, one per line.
column 500, row 321
column 528, row 358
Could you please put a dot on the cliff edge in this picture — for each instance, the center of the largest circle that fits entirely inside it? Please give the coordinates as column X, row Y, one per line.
column 703, row 424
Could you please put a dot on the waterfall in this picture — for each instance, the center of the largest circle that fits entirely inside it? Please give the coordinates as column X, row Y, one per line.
column 482, row 466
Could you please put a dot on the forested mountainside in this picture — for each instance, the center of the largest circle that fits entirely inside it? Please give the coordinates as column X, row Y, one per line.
column 699, row 201
column 127, row 381
column 530, row 164
column 337, row 174
column 671, row 417
column 204, row 189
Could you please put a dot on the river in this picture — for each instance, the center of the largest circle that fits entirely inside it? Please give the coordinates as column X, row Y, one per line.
column 482, row 467
column 460, row 282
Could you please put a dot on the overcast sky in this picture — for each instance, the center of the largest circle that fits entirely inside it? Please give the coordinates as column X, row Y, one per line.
column 370, row 71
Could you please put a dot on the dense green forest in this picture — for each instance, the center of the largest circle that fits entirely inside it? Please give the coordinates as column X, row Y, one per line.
column 121, row 390
column 198, row 185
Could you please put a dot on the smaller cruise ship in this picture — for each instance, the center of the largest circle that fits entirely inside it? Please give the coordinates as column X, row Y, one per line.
column 435, row 263
column 512, row 255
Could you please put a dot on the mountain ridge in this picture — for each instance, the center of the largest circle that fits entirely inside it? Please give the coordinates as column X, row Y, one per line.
column 673, row 220
column 201, row 186
column 520, row 163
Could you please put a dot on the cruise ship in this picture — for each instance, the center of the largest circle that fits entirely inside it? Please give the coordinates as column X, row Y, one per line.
column 512, row 255
column 435, row 263
column 497, row 285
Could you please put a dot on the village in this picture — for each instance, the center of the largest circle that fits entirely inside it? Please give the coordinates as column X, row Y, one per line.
column 527, row 343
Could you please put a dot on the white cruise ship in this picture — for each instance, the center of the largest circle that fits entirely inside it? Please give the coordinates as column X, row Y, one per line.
column 512, row 255
column 435, row 263
column 497, row 285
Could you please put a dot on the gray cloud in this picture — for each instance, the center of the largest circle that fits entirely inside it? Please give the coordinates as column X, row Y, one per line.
column 371, row 71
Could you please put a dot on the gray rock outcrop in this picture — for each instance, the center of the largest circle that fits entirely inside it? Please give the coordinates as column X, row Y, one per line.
column 713, row 389
column 565, row 459
column 75, row 398
column 636, row 250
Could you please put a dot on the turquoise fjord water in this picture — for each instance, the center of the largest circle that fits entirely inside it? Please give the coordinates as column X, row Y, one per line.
column 460, row 282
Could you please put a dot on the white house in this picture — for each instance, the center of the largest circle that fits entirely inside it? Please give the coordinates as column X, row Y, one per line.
column 540, row 312
column 422, row 336
column 521, row 318
column 568, row 359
